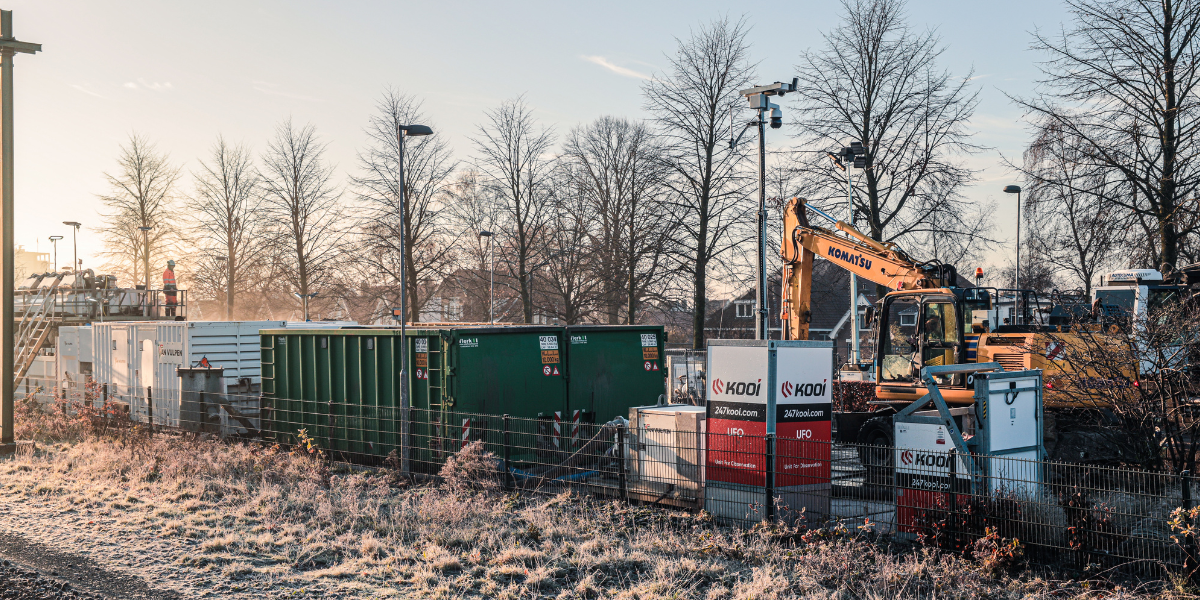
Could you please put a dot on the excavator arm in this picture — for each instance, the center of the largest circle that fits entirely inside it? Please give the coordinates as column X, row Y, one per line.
column 871, row 260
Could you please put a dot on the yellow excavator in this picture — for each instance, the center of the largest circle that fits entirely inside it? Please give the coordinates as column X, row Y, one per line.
column 927, row 319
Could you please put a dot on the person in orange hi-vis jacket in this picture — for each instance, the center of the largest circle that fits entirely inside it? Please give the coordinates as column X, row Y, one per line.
column 169, row 288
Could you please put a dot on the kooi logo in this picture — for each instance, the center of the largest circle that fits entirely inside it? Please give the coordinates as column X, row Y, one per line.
column 740, row 388
column 906, row 457
column 804, row 389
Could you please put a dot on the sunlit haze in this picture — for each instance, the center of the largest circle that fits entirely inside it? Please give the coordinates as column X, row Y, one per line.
column 182, row 73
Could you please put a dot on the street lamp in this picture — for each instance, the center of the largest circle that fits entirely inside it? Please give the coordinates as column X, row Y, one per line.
column 758, row 97
column 854, row 155
column 54, row 240
column 146, row 264
column 304, row 299
column 1016, row 189
column 491, row 276
column 74, row 242
column 403, row 131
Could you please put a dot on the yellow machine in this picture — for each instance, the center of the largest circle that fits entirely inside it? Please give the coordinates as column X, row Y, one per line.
column 927, row 320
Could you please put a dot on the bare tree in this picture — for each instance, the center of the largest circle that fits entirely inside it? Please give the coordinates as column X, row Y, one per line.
column 142, row 195
column 571, row 283
column 304, row 204
column 1074, row 222
column 617, row 168
column 1121, row 84
column 690, row 105
column 877, row 81
column 513, row 155
column 228, row 221
column 427, row 166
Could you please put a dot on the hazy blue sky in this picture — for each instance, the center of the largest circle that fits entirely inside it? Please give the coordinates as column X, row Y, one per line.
column 183, row 72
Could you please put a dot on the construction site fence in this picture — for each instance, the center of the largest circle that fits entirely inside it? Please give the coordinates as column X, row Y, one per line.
column 1088, row 517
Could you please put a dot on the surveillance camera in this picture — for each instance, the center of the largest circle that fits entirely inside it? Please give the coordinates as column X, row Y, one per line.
column 776, row 122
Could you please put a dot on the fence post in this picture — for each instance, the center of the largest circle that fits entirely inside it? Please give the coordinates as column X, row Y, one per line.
column 507, row 454
column 150, row 408
column 621, row 462
column 952, row 500
column 769, row 480
column 1185, row 488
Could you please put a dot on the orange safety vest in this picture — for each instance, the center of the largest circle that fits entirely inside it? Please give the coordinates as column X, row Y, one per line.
column 168, row 279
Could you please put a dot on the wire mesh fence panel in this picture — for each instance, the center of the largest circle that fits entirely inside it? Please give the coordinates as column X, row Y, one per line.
column 1075, row 515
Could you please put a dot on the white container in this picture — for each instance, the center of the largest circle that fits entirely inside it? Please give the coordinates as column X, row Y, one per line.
column 665, row 449
column 131, row 357
column 75, row 358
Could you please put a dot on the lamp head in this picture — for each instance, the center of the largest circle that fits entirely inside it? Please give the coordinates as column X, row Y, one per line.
column 1012, row 189
column 74, row 224
column 55, row 238
column 417, row 130
column 485, row 233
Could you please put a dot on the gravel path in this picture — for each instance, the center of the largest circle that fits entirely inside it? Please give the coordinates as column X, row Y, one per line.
column 17, row 583
column 35, row 570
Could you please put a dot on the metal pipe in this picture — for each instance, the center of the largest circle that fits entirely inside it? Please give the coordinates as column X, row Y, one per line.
column 761, row 324
column 856, row 357
column 7, row 337
column 404, row 406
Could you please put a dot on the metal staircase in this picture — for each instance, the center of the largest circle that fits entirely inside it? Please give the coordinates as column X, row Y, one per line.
column 33, row 326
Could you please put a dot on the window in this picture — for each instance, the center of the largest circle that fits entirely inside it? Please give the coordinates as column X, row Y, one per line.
column 940, row 333
column 899, row 340
column 745, row 309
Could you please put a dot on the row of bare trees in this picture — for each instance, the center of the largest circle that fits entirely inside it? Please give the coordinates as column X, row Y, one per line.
column 610, row 221
column 1113, row 167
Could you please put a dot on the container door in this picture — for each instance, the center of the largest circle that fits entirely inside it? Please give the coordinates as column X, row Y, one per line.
column 614, row 369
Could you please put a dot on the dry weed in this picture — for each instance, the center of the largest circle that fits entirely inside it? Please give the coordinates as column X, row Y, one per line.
column 268, row 519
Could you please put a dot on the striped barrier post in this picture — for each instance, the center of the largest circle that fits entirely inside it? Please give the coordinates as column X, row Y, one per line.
column 557, row 429
column 575, row 428
column 466, row 432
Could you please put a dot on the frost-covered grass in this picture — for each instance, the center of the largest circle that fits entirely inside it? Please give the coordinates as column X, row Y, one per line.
column 256, row 521
column 253, row 521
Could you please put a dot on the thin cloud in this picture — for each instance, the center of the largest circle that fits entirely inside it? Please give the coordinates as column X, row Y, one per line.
column 86, row 91
column 619, row 70
column 271, row 89
column 143, row 84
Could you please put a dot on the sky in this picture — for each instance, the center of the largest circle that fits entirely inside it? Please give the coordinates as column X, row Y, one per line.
column 182, row 73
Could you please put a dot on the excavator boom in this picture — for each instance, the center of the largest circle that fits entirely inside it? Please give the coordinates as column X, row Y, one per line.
column 861, row 255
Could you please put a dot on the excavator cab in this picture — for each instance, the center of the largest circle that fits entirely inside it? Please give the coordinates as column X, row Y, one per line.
column 926, row 328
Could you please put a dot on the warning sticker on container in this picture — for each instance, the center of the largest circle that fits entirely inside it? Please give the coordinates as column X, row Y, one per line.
column 650, row 353
column 548, row 342
column 422, row 359
column 549, row 357
column 421, row 374
column 550, row 370
column 649, row 339
column 650, row 365
column 421, row 345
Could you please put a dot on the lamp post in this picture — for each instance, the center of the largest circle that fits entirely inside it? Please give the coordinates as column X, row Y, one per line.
column 759, row 101
column 403, row 131
column 1016, row 189
column 146, row 266
column 228, row 286
column 854, row 155
column 74, row 242
column 54, row 241
column 304, row 300
column 9, row 46
column 491, row 276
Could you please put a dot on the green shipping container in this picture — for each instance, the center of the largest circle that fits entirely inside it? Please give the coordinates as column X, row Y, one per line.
column 342, row 385
column 614, row 367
